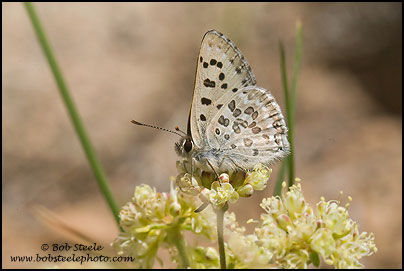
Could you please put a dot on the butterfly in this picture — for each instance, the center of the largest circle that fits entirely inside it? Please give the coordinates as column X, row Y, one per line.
column 233, row 124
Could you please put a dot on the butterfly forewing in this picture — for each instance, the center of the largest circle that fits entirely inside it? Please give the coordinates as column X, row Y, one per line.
column 221, row 72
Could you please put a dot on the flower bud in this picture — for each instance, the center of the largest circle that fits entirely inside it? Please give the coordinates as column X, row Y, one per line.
column 284, row 221
column 224, row 178
column 246, row 191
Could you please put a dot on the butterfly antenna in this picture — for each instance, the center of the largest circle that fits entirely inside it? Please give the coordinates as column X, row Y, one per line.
column 155, row 127
column 178, row 130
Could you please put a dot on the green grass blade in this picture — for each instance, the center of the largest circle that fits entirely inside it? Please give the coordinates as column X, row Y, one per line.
column 289, row 110
column 281, row 176
column 293, row 97
column 72, row 111
column 290, row 100
column 296, row 66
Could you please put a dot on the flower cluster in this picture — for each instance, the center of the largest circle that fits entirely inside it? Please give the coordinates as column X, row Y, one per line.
column 290, row 234
column 244, row 251
column 298, row 235
column 228, row 187
column 155, row 219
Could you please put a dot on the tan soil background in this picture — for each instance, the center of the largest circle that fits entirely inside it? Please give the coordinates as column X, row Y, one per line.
column 137, row 60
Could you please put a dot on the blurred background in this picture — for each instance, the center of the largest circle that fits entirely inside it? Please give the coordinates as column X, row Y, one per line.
column 126, row 61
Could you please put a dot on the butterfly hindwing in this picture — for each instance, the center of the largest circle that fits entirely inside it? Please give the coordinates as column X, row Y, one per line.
column 250, row 125
column 221, row 70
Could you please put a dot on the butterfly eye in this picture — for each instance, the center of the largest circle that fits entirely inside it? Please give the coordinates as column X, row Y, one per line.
column 188, row 145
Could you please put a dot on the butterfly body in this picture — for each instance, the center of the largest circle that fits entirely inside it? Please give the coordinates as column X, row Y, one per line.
column 233, row 124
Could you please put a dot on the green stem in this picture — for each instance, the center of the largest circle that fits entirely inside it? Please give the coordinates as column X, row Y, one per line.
column 289, row 111
column 178, row 239
column 296, row 66
column 72, row 111
column 281, row 176
column 220, row 239
column 290, row 97
column 293, row 90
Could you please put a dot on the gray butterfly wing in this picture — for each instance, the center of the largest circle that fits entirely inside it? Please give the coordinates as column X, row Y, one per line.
column 221, row 69
column 249, row 128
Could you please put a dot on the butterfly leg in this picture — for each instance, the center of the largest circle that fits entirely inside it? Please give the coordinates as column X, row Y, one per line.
column 202, row 207
column 217, row 175
column 192, row 168
column 234, row 163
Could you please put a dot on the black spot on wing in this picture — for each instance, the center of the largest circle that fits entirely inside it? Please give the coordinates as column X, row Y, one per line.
column 221, row 76
column 223, row 121
column 206, row 101
column 232, row 105
column 209, row 84
column 237, row 112
column 256, row 130
column 273, row 114
column 236, row 128
column 252, row 124
column 249, row 110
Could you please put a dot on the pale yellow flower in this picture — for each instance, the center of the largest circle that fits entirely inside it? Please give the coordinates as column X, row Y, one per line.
column 258, row 177
column 244, row 251
column 220, row 193
column 151, row 217
column 298, row 236
column 227, row 187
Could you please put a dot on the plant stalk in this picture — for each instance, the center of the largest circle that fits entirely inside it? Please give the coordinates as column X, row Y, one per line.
column 289, row 104
column 290, row 100
column 220, row 239
column 178, row 239
column 281, row 176
column 72, row 111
